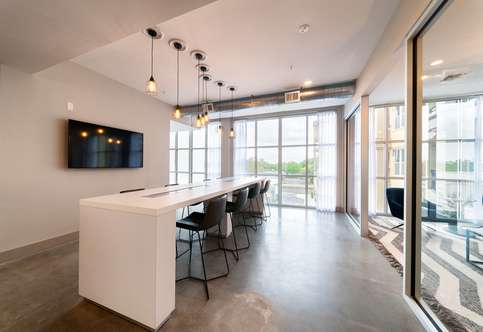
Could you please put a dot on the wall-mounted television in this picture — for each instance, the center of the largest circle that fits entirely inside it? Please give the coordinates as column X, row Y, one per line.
column 97, row 146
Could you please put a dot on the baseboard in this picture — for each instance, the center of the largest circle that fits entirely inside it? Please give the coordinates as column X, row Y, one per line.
column 38, row 247
column 339, row 209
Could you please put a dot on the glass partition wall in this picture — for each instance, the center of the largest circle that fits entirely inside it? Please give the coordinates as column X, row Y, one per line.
column 386, row 154
column 353, row 146
column 445, row 219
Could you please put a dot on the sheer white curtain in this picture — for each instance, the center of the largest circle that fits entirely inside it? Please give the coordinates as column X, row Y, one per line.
column 240, row 166
column 326, row 183
column 213, row 163
column 372, row 162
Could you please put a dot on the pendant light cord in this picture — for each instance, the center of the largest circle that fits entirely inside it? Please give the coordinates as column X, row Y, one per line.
column 198, row 77
column 219, row 99
column 152, row 54
column 177, row 77
column 206, row 92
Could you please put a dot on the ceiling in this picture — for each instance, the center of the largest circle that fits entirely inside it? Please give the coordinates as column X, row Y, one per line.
column 454, row 38
column 35, row 35
column 253, row 44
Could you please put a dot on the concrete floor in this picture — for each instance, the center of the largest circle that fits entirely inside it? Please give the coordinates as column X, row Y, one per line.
column 304, row 272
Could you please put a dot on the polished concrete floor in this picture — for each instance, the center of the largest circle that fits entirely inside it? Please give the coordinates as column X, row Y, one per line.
column 305, row 271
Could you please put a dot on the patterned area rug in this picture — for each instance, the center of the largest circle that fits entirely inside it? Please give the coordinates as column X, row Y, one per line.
column 452, row 287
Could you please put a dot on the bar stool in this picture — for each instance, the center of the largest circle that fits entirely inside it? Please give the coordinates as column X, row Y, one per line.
column 235, row 208
column 197, row 222
column 263, row 193
column 253, row 193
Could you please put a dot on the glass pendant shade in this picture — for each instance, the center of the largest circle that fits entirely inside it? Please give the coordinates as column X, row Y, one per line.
column 232, row 133
column 220, row 129
column 177, row 112
column 198, row 121
column 206, row 117
column 151, row 87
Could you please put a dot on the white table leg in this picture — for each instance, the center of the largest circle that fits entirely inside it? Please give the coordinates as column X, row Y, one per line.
column 127, row 263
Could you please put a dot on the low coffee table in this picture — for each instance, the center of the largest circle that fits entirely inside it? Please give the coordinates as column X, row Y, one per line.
column 472, row 234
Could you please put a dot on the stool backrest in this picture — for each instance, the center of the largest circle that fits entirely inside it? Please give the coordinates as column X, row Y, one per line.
column 241, row 200
column 254, row 190
column 215, row 212
column 130, row 190
column 265, row 187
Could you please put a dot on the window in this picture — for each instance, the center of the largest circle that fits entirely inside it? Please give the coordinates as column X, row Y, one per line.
column 195, row 153
column 449, row 159
column 386, row 154
column 286, row 150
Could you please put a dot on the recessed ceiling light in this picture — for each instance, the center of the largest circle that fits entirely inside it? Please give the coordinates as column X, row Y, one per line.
column 436, row 62
column 304, row 28
column 308, row 83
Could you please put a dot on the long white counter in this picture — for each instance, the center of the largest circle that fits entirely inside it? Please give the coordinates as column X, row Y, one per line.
column 127, row 257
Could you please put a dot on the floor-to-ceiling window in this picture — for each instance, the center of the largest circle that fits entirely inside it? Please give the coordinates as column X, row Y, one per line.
column 195, row 153
column 353, row 192
column 286, row 150
column 451, row 151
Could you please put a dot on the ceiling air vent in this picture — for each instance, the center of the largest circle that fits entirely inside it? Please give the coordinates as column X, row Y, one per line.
column 451, row 75
column 208, row 107
column 292, row 97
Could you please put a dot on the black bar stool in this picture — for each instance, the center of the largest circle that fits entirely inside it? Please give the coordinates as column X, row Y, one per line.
column 235, row 209
column 263, row 193
column 197, row 222
column 253, row 193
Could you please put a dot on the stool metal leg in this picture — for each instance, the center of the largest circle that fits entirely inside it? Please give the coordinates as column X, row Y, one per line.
column 235, row 252
column 224, row 251
column 205, row 281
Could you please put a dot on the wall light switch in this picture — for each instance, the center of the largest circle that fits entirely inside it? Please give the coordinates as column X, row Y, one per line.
column 70, row 106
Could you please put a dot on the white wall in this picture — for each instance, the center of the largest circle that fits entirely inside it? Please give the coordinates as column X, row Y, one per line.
column 38, row 194
column 387, row 52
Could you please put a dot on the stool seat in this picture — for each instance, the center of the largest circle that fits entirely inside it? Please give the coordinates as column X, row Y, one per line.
column 189, row 225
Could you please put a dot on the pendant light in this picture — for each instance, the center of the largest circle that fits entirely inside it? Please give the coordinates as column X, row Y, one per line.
column 198, row 56
column 151, row 86
column 220, row 84
column 179, row 46
column 232, row 131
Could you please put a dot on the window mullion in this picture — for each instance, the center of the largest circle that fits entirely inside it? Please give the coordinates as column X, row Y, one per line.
column 306, row 160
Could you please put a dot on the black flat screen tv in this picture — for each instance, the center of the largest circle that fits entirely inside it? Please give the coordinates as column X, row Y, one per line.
column 96, row 146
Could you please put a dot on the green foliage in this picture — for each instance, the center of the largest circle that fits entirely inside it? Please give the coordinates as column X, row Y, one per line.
column 290, row 167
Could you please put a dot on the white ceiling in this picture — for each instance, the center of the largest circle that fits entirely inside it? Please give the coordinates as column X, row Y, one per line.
column 456, row 38
column 38, row 34
column 252, row 44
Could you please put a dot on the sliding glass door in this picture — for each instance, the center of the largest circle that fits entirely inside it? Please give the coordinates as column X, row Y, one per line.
column 353, row 149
